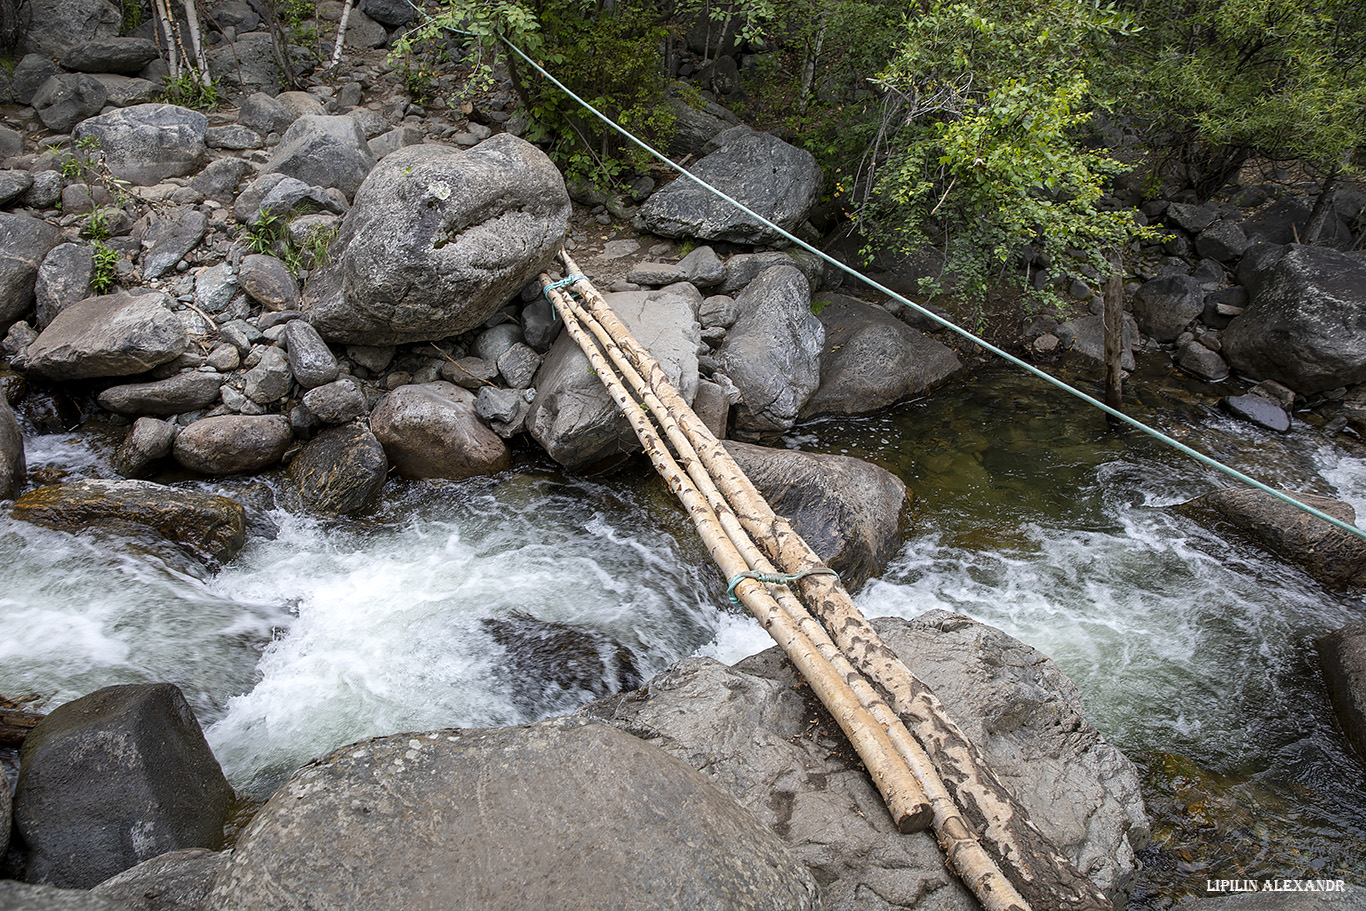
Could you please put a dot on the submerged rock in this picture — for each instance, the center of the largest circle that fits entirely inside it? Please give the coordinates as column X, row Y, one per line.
column 208, row 526
column 560, row 814
column 113, row 779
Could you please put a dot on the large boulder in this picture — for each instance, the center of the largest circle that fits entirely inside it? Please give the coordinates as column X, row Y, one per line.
column 432, row 431
column 1306, row 325
column 1335, row 557
column 24, row 243
column 573, row 418
column 12, row 462
column 341, row 470
column 25, row 897
column 248, row 64
column 1165, row 306
column 111, row 55
column 324, row 151
column 438, row 240
column 66, row 100
column 1342, row 657
column 174, row 881
column 115, row 778
column 871, row 360
column 147, row 143
column 754, row 730
column 63, row 278
column 117, row 334
column 775, row 180
column 848, row 510
column 189, row 390
column 207, row 526
column 561, row 814
column 53, row 26
column 233, row 443
column 772, row 353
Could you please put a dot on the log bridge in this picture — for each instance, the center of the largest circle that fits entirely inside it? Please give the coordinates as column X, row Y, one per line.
column 929, row 773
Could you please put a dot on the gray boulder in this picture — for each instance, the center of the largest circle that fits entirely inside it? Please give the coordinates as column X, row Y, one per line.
column 1259, row 410
column 389, row 12
column 563, row 813
column 188, row 390
column 281, row 196
column 64, row 101
column 756, row 732
column 29, row 75
column 438, row 240
column 337, row 402
column 341, row 470
column 848, row 510
column 270, row 380
column 14, row 184
column 174, row 881
column 233, row 138
column 1199, row 361
column 871, row 360
column 310, row 360
column 265, row 114
column 1223, row 241
column 1334, row 557
column 1165, row 306
column 116, row 334
column 772, row 353
column 432, row 431
column 573, row 418
column 25, row 897
column 111, row 55
column 1342, row 658
column 147, row 443
column 169, row 238
column 126, row 91
column 778, row 181
column 324, row 151
column 1086, row 336
column 248, row 64
column 147, row 143
column 269, row 282
column 208, row 527
column 1306, row 324
column 219, row 179
column 63, row 278
column 24, row 244
column 12, row 463
column 113, row 779
column 52, row 26
column 233, row 444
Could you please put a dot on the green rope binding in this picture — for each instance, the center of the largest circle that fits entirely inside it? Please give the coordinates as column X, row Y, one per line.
column 774, row 578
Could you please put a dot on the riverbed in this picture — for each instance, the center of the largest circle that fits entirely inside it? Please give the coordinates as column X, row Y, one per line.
column 506, row 599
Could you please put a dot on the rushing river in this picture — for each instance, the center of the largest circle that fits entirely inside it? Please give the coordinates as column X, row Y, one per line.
column 503, row 600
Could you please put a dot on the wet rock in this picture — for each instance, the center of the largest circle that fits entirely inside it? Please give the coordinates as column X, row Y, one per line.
column 66, row 100
column 754, row 730
column 186, row 391
column 608, row 787
column 174, row 881
column 113, row 779
column 1165, row 306
column 116, row 334
column 310, row 360
column 772, row 353
column 341, row 470
column 63, row 278
column 1199, row 361
column 24, row 244
column 1259, row 410
column 1306, row 324
column 209, row 527
column 233, row 444
column 1086, row 336
column 169, row 238
column 146, row 444
column 269, row 282
column 871, row 360
column 504, row 409
column 337, row 402
column 1342, row 658
column 12, row 463
column 555, row 667
column 573, row 418
column 848, row 510
column 432, row 431
column 324, row 151
column 437, row 241
column 110, row 55
column 774, row 179
column 147, row 143
column 1334, row 557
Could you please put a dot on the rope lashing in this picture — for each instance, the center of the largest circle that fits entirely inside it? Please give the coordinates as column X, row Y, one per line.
column 774, row 579
column 555, row 286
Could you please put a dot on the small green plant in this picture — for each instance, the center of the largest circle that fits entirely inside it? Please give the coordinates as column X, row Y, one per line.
column 266, row 232
column 189, row 92
column 131, row 11
column 269, row 234
column 97, row 226
column 105, row 270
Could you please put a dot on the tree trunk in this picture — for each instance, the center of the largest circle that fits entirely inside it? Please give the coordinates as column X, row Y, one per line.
column 1323, row 209
column 341, row 33
column 1114, row 338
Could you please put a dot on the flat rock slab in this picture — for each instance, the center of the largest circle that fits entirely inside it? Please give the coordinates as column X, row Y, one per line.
column 561, row 814
column 756, row 730
column 116, row 334
column 208, row 526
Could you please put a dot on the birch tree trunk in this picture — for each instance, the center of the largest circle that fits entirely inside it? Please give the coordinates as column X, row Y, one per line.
column 341, row 33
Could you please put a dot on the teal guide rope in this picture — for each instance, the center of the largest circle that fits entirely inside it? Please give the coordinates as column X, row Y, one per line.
column 774, row 578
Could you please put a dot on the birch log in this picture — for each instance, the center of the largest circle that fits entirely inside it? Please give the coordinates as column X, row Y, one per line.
column 1037, row 870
